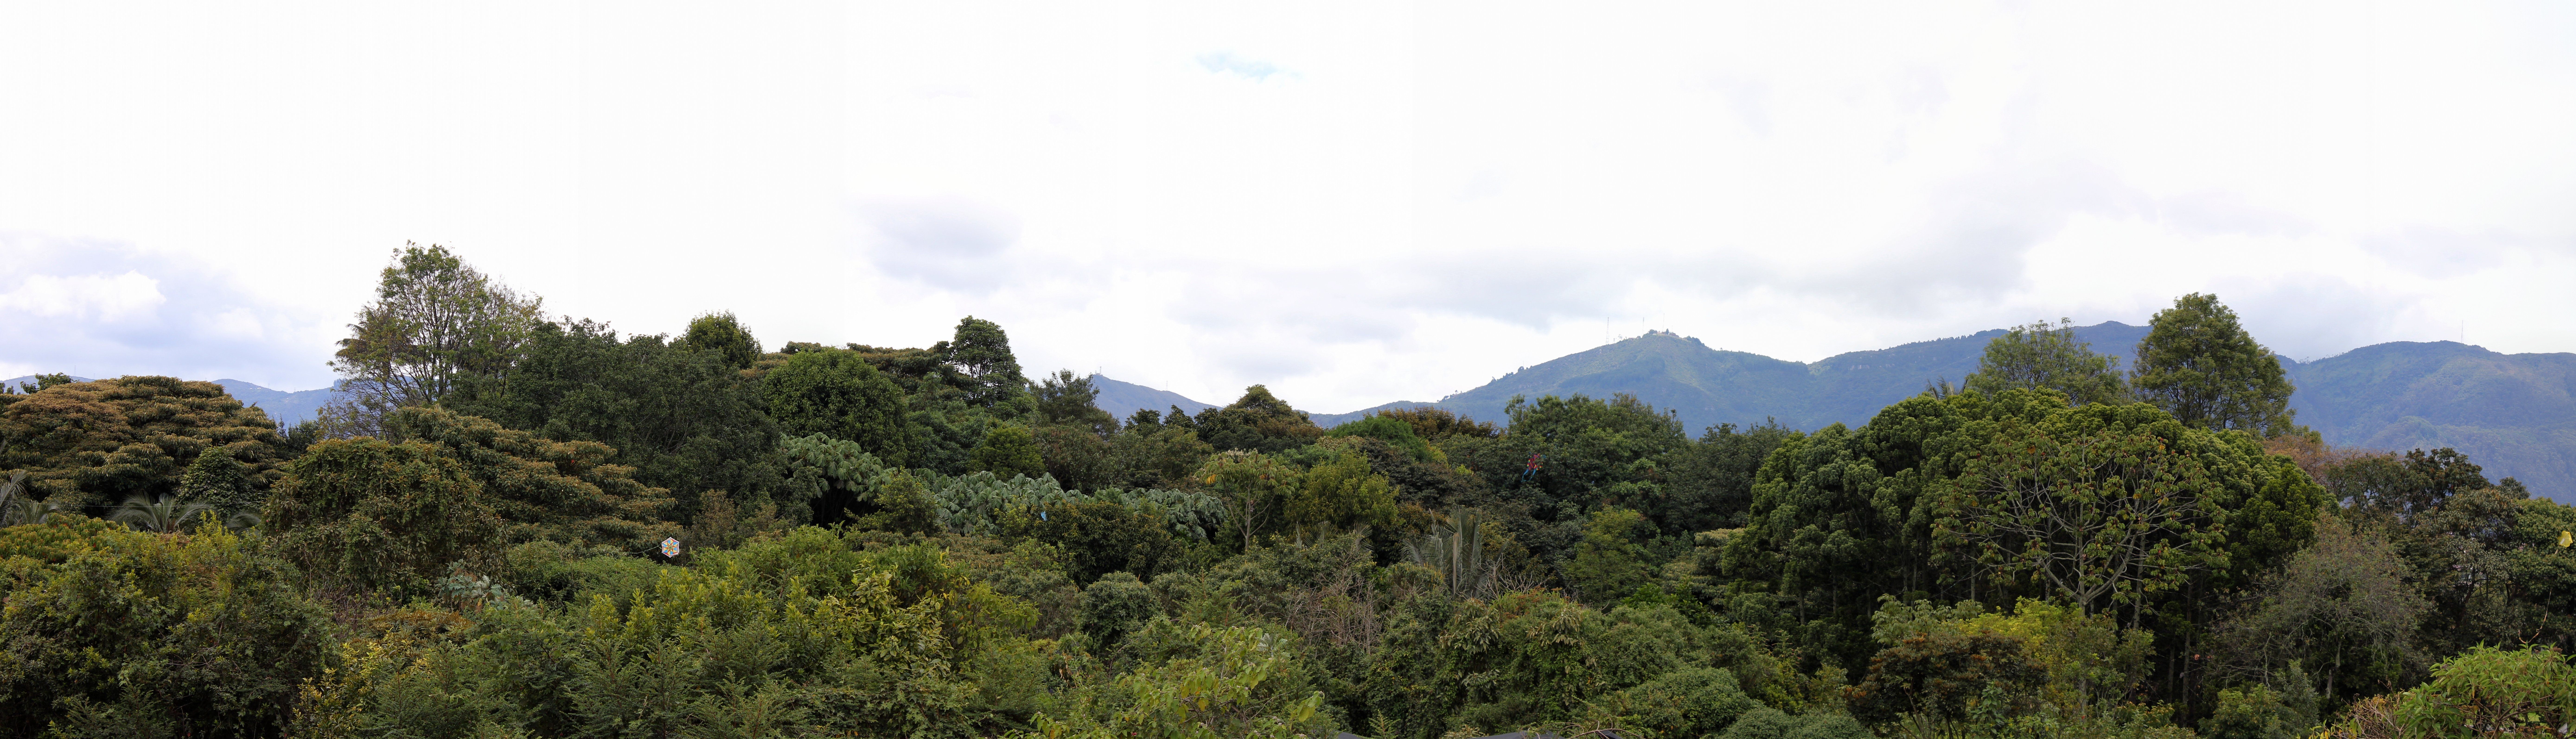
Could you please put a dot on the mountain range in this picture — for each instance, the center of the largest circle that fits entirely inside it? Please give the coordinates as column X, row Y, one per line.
column 2514, row 414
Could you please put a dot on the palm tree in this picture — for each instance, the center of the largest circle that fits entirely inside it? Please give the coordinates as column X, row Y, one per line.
column 18, row 509
column 1457, row 549
column 164, row 515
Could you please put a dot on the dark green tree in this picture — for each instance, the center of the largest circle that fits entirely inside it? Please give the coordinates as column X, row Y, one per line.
column 1010, row 450
column 207, row 634
column 436, row 324
column 724, row 336
column 1066, row 400
column 983, row 353
column 217, row 481
column 1709, row 484
column 2198, row 364
column 836, row 393
column 1257, row 422
column 686, row 421
column 2043, row 356
column 382, row 516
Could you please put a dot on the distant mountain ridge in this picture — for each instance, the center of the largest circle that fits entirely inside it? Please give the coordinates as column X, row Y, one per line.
column 285, row 407
column 2514, row 414
column 1122, row 399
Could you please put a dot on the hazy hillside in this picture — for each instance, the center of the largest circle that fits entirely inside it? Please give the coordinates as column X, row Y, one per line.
column 1123, row 398
column 1709, row 386
column 2515, row 414
column 284, row 407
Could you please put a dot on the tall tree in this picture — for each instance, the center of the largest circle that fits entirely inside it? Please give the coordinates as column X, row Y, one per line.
column 435, row 325
column 2043, row 356
column 720, row 334
column 983, row 352
column 1064, row 399
column 2200, row 365
column 836, row 393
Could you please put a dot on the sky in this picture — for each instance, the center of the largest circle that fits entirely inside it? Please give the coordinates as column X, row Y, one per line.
column 1353, row 203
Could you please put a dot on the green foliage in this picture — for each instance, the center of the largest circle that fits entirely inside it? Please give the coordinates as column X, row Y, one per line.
column 685, row 421
column 1115, row 604
column 2487, row 691
column 802, row 634
column 2253, row 712
column 1610, row 563
column 1395, row 432
column 1340, row 493
column 1594, row 453
column 1911, row 502
column 982, row 352
column 721, row 335
column 1226, row 682
column 1456, row 550
column 1257, row 422
column 2103, row 520
column 1950, row 676
column 1157, row 456
column 436, row 326
column 1009, row 450
column 1063, row 399
column 2198, row 364
column 379, row 515
column 1098, row 538
column 829, row 478
column 57, row 538
column 2049, row 357
column 134, row 635
column 1710, row 484
column 2341, row 608
column 543, row 489
column 1077, row 456
column 217, row 481
column 1689, row 702
column 94, row 443
column 162, row 515
column 836, row 393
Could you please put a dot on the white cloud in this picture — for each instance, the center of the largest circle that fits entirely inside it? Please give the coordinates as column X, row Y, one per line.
column 100, row 298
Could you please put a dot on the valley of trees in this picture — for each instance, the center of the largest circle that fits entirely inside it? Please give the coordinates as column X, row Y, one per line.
column 937, row 541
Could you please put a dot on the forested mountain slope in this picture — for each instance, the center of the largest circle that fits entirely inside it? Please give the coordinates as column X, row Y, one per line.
column 2514, row 413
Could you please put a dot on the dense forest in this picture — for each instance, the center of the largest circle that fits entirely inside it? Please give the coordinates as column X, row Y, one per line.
column 510, row 524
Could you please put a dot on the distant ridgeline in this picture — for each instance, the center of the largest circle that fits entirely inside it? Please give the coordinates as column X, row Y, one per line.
column 2513, row 413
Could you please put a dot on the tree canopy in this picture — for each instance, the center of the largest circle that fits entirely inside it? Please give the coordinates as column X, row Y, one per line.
column 2200, row 365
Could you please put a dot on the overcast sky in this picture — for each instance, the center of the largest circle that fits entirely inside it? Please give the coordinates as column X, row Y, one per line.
column 1352, row 203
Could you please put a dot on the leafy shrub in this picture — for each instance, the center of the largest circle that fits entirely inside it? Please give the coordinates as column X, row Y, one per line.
column 58, row 538
column 381, row 516
column 2488, row 691
column 135, row 634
